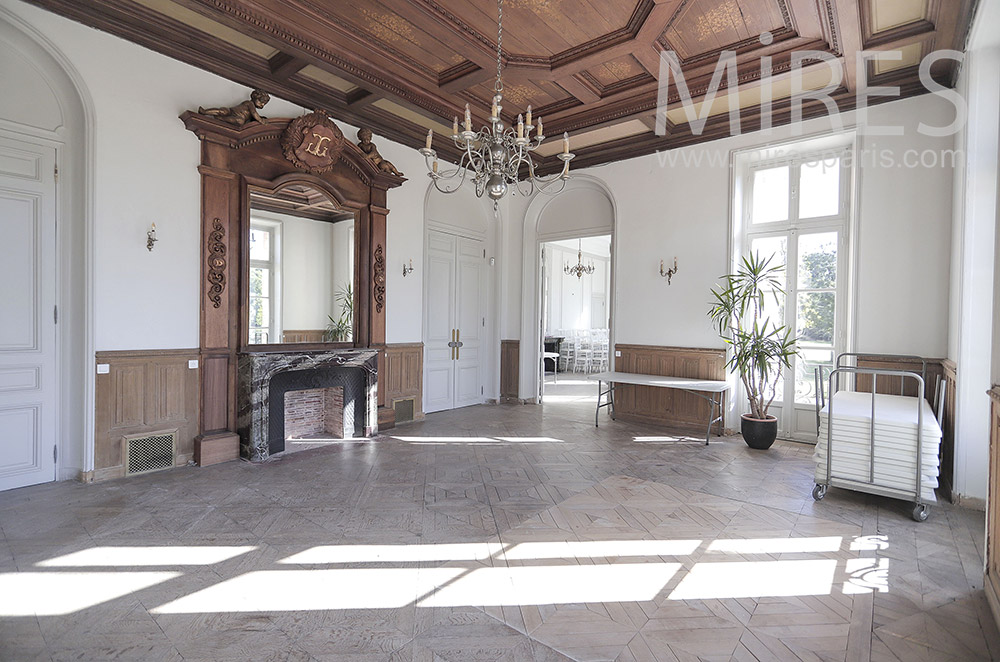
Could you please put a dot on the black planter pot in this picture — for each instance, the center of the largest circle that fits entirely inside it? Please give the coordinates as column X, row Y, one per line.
column 757, row 433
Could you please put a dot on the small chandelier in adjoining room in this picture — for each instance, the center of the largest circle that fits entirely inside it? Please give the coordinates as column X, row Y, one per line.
column 579, row 269
column 496, row 153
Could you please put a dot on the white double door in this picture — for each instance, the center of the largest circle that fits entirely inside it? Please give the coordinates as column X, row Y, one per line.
column 454, row 321
column 28, row 380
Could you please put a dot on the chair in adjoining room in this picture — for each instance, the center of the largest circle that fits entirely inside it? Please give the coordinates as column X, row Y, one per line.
column 567, row 351
column 600, row 351
column 583, row 349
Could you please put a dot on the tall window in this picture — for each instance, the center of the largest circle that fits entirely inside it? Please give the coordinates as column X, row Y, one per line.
column 797, row 210
column 263, row 282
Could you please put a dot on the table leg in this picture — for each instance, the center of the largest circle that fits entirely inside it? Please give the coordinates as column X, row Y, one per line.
column 598, row 411
column 711, row 419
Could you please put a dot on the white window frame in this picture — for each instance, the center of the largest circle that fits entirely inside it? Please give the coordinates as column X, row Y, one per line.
column 273, row 227
column 744, row 163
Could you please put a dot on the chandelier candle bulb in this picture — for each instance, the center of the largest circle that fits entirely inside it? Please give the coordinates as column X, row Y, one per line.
column 468, row 118
column 430, row 137
column 527, row 118
column 520, row 127
column 435, row 167
column 540, row 132
column 454, row 127
column 565, row 143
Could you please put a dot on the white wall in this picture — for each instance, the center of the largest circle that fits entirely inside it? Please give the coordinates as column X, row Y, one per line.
column 683, row 210
column 146, row 171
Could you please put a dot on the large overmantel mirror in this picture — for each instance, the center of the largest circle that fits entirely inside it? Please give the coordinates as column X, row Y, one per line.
column 314, row 204
column 301, row 283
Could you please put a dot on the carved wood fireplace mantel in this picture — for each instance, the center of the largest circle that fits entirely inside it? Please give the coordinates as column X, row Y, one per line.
column 269, row 155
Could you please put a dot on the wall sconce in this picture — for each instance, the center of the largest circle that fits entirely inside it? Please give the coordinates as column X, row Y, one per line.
column 407, row 269
column 669, row 273
column 151, row 237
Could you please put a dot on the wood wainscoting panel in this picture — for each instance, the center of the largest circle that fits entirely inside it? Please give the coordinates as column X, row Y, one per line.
column 403, row 377
column 992, row 581
column 143, row 392
column 891, row 385
column 662, row 405
column 946, row 479
column 510, row 372
column 303, row 335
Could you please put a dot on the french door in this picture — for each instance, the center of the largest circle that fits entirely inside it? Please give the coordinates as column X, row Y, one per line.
column 454, row 321
column 798, row 215
column 28, row 372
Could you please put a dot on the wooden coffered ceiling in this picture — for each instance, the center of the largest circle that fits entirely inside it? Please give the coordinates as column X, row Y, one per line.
column 588, row 67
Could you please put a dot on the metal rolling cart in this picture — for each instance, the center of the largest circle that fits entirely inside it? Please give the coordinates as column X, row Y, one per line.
column 875, row 482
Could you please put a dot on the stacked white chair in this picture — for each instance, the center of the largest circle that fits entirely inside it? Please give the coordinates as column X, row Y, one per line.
column 583, row 351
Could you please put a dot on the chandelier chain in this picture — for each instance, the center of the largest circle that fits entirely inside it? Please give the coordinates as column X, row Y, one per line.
column 497, row 156
column 498, row 86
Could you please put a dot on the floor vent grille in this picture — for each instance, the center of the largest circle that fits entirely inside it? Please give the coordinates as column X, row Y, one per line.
column 404, row 410
column 150, row 452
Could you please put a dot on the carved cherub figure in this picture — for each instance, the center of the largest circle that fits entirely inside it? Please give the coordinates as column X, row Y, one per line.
column 371, row 151
column 241, row 113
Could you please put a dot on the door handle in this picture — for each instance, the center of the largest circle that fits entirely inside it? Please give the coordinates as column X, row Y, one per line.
column 453, row 344
column 458, row 343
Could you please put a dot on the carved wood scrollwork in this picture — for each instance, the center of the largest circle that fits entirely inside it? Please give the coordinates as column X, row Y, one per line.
column 379, row 279
column 216, row 263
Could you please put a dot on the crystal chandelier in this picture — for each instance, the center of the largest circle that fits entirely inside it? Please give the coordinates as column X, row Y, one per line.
column 579, row 269
column 496, row 154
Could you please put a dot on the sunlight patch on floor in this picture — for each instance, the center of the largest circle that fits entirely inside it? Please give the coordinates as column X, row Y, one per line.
column 144, row 556
column 61, row 593
column 756, row 579
column 555, row 585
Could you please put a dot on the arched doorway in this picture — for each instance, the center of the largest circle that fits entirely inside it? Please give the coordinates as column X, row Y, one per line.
column 46, row 344
column 585, row 209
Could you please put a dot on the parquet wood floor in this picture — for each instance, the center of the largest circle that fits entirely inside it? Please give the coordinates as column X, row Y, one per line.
column 490, row 534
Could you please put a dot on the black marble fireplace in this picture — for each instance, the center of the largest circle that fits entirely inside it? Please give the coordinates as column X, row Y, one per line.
column 265, row 377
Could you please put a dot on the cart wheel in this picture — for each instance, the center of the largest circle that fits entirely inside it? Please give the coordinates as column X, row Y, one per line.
column 920, row 512
column 819, row 492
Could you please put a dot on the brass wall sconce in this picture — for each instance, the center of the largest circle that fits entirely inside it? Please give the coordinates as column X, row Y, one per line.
column 407, row 269
column 151, row 237
column 669, row 273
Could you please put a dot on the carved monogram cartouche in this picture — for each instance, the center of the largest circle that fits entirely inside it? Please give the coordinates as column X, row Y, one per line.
column 216, row 263
column 313, row 142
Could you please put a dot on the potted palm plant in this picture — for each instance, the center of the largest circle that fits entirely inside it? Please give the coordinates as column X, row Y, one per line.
column 759, row 348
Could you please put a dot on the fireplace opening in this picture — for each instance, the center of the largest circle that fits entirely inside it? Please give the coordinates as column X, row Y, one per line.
column 316, row 413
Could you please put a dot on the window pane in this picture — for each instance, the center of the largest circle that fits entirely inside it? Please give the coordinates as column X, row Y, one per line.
column 819, row 189
column 775, row 249
column 818, row 261
column 805, row 378
column 815, row 316
column 260, row 244
column 260, row 281
column 257, row 318
column 770, row 195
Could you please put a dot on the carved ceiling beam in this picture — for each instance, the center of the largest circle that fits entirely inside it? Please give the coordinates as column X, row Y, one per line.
column 283, row 65
column 315, row 37
column 636, row 102
column 360, row 98
column 847, row 22
column 464, row 76
column 579, row 89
